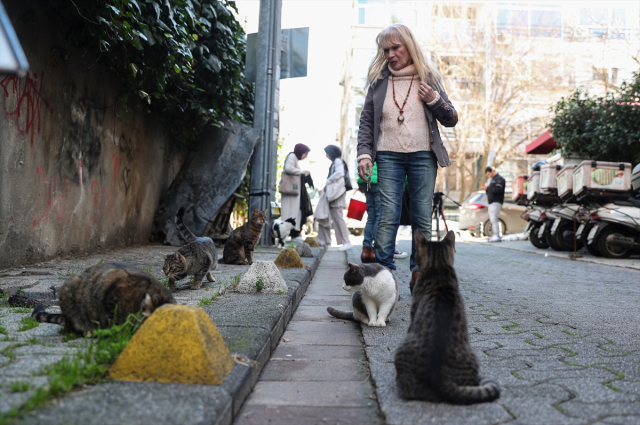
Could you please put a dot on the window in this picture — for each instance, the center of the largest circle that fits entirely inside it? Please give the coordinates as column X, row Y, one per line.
column 546, row 23
column 380, row 13
column 602, row 22
column 361, row 15
column 522, row 19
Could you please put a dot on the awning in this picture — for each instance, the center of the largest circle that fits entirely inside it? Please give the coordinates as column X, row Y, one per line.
column 542, row 145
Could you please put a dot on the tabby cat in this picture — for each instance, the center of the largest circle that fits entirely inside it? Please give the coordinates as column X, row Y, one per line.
column 196, row 258
column 239, row 246
column 105, row 294
column 435, row 361
column 375, row 294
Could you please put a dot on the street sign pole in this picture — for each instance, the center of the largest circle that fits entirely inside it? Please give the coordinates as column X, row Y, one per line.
column 262, row 188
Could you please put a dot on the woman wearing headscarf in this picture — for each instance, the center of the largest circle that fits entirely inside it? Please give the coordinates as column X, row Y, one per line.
column 337, row 199
column 291, row 203
column 399, row 132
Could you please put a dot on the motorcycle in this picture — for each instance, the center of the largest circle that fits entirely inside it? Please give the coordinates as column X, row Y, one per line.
column 615, row 232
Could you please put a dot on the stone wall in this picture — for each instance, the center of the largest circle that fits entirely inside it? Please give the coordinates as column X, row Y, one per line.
column 76, row 172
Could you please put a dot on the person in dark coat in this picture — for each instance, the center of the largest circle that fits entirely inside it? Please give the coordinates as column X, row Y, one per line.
column 495, row 195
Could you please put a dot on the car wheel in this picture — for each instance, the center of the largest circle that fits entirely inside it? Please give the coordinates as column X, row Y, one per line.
column 539, row 243
column 488, row 228
column 592, row 248
column 357, row 232
column 608, row 250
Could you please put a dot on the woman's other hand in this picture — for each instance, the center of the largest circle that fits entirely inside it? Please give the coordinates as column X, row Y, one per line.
column 426, row 93
column 365, row 169
column 306, row 172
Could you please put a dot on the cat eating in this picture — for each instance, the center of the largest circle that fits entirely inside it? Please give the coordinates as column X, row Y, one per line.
column 239, row 246
column 197, row 258
column 281, row 229
column 375, row 293
column 103, row 295
column 435, row 362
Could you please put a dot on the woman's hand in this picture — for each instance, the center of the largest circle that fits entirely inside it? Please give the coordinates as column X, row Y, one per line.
column 426, row 93
column 365, row 169
column 306, row 172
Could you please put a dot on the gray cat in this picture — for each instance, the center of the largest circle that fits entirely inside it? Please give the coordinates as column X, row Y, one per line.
column 375, row 294
column 195, row 259
column 435, row 361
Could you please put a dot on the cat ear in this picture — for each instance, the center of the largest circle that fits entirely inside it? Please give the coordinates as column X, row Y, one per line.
column 451, row 237
column 265, row 211
column 353, row 266
column 165, row 256
column 255, row 210
column 181, row 258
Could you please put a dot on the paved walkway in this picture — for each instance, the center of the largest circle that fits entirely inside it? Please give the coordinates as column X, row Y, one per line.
column 319, row 372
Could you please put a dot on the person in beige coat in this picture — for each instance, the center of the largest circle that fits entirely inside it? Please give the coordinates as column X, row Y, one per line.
column 336, row 194
column 291, row 204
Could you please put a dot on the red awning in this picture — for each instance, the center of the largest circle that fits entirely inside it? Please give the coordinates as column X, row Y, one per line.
column 542, row 145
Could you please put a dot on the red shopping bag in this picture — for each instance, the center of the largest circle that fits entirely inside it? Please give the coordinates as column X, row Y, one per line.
column 357, row 208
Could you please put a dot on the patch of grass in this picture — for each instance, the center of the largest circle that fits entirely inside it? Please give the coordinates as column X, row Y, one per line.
column 570, row 333
column 88, row 366
column 20, row 291
column 612, row 387
column 259, row 283
column 67, row 335
column 498, row 344
column 147, row 268
column 21, row 310
column 3, row 330
column 558, row 408
column 28, row 322
column 164, row 281
column 20, row 386
column 528, row 341
column 204, row 301
column 538, row 335
column 72, row 270
column 281, row 292
column 516, row 374
column 618, row 375
column 235, row 281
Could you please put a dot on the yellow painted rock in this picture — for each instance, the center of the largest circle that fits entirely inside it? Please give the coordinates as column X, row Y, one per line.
column 177, row 343
column 289, row 259
column 313, row 242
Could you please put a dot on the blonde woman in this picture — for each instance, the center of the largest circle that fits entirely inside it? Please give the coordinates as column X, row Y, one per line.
column 398, row 131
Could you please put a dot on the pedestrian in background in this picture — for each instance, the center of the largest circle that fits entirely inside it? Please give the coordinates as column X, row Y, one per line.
column 495, row 195
column 336, row 190
column 398, row 131
column 291, row 204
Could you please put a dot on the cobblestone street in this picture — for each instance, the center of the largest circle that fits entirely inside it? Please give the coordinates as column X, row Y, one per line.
column 560, row 337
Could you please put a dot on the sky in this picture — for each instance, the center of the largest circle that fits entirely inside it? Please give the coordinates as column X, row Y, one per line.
column 310, row 106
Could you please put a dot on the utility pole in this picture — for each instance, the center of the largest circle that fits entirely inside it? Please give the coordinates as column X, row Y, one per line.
column 262, row 188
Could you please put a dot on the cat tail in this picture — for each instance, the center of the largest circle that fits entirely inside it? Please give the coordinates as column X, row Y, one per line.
column 186, row 233
column 486, row 391
column 344, row 315
column 42, row 316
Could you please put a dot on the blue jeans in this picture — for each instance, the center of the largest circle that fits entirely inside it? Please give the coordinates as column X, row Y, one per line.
column 420, row 169
column 373, row 213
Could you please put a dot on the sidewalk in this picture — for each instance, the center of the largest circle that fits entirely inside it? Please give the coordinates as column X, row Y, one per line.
column 319, row 372
column 251, row 326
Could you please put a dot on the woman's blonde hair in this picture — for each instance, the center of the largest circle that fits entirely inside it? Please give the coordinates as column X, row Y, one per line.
column 399, row 33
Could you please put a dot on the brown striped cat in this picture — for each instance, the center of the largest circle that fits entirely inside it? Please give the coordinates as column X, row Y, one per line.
column 239, row 246
column 435, row 361
column 196, row 258
column 103, row 295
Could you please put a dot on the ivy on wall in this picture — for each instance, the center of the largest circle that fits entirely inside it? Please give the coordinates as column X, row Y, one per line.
column 600, row 128
column 185, row 58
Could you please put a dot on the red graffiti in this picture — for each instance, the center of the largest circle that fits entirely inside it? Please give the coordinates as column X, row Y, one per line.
column 23, row 101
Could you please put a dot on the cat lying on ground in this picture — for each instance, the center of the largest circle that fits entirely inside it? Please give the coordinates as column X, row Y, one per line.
column 281, row 229
column 197, row 258
column 375, row 293
column 103, row 295
column 435, row 361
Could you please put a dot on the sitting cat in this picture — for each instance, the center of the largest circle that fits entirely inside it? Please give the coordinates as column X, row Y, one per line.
column 435, row 361
column 239, row 246
column 196, row 258
column 281, row 229
column 375, row 293
column 103, row 295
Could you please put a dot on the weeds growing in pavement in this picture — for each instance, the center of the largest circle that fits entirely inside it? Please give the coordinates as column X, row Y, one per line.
column 259, row 283
column 147, row 268
column 88, row 365
column 21, row 310
column 28, row 322
column 20, row 386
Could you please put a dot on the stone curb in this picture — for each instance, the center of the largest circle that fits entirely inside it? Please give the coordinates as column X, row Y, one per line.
column 135, row 403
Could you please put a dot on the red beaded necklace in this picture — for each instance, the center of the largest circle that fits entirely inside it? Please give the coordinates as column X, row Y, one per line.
column 393, row 84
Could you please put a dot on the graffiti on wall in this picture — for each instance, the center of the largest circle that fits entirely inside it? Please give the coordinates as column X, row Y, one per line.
column 23, row 101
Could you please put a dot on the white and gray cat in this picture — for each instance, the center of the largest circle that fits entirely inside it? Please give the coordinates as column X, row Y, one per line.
column 281, row 229
column 375, row 294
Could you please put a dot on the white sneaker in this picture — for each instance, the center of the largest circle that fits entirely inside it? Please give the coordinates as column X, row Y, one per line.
column 346, row 246
column 400, row 254
column 495, row 239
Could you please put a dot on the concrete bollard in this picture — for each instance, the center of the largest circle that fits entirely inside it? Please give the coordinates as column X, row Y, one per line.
column 177, row 343
column 313, row 242
column 289, row 259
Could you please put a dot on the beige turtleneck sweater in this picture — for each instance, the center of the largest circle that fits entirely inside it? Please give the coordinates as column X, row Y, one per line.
column 412, row 135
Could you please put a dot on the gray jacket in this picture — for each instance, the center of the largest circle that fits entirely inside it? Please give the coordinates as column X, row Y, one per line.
column 369, row 129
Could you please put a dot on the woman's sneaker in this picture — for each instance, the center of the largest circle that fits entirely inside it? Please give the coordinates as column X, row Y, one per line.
column 400, row 254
